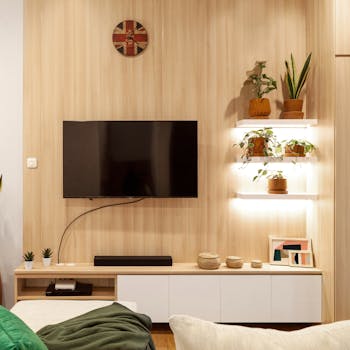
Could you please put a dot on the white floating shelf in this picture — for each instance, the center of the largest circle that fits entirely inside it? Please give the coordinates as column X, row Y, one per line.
column 277, row 160
column 243, row 195
column 276, row 123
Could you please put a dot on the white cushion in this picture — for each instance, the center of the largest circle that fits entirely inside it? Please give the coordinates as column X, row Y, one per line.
column 195, row 334
column 39, row 313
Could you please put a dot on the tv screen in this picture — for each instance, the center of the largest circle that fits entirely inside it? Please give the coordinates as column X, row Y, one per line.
column 130, row 159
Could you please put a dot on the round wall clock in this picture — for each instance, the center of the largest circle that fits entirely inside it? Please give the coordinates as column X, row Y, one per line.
column 130, row 38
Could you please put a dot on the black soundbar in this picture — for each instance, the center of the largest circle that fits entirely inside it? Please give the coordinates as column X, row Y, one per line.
column 158, row 260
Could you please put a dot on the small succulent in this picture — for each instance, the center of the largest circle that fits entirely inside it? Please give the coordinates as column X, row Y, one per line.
column 46, row 253
column 28, row 256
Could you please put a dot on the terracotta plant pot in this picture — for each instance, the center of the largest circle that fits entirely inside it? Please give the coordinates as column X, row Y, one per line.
column 258, row 147
column 277, row 186
column 293, row 109
column 259, row 108
column 294, row 151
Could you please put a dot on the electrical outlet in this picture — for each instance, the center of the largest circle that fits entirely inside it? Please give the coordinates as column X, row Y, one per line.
column 32, row 163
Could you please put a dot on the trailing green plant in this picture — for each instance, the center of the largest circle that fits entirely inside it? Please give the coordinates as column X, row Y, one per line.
column 46, row 253
column 272, row 146
column 308, row 146
column 263, row 84
column 269, row 174
column 294, row 83
column 28, row 256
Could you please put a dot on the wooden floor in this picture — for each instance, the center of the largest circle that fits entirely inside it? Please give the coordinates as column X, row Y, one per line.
column 163, row 337
column 164, row 340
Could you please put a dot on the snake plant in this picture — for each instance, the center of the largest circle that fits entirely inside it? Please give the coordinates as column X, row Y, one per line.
column 294, row 83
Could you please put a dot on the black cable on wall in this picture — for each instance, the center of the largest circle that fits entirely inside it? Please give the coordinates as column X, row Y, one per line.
column 88, row 212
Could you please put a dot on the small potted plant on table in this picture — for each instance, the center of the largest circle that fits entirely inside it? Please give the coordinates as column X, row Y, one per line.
column 276, row 181
column 28, row 260
column 297, row 148
column 294, row 105
column 259, row 107
column 47, row 254
column 258, row 143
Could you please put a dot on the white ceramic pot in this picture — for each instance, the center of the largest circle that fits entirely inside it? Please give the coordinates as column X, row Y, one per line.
column 46, row 262
column 28, row 265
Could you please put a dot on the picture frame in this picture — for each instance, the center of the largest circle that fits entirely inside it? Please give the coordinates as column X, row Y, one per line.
column 301, row 258
column 279, row 248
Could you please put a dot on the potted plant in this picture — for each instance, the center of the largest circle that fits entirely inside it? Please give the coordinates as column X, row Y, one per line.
column 258, row 143
column 259, row 107
column 276, row 181
column 297, row 148
column 47, row 254
column 28, row 260
column 294, row 105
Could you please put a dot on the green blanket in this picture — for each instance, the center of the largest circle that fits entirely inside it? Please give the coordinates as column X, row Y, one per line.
column 108, row 328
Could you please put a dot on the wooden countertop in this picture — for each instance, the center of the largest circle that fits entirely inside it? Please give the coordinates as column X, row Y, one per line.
column 176, row 269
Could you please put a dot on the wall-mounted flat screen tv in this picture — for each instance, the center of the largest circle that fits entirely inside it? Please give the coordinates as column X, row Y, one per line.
column 130, row 159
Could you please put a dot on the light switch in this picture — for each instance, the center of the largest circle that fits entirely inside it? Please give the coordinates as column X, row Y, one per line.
column 32, row 163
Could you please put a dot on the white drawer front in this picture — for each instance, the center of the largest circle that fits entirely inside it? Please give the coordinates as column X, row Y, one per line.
column 296, row 298
column 245, row 298
column 198, row 296
column 150, row 292
column 230, row 298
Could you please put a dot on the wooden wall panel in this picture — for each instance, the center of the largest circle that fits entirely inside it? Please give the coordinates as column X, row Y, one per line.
column 342, row 11
column 342, row 223
column 342, row 242
column 321, row 103
column 193, row 68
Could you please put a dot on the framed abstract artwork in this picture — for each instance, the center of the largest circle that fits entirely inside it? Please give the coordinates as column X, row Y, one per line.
column 279, row 248
column 301, row 258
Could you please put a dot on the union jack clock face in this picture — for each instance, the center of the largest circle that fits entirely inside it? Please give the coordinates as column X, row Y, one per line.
column 130, row 38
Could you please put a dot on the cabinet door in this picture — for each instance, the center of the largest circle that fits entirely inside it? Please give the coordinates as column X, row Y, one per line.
column 296, row 298
column 198, row 296
column 150, row 292
column 342, row 27
column 245, row 298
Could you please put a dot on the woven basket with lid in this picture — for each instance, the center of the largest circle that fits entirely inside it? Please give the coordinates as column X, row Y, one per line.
column 234, row 262
column 208, row 261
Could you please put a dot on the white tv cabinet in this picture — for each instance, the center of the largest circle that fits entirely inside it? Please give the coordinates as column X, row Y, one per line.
column 270, row 294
